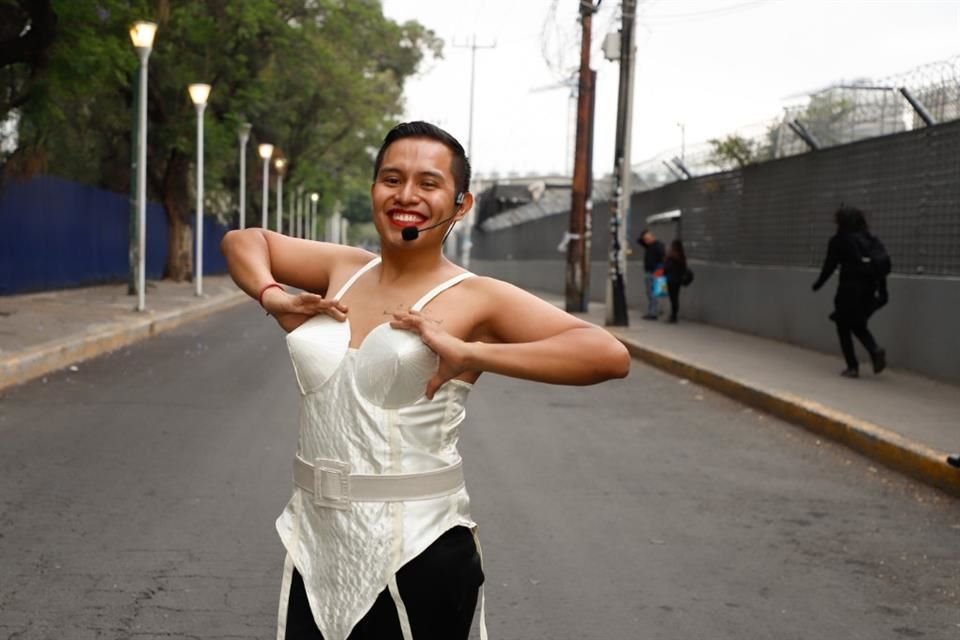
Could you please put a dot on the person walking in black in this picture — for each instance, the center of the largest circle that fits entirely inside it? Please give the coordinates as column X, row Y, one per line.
column 859, row 291
column 675, row 270
column 653, row 254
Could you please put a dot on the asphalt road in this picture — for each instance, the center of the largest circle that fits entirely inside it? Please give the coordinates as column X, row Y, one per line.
column 138, row 495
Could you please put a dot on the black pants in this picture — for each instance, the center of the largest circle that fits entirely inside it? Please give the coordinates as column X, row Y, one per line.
column 854, row 303
column 859, row 329
column 673, row 290
column 439, row 590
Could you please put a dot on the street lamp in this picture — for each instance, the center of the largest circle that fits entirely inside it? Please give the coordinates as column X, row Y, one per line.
column 314, row 197
column 142, row 33
column 265, row 151
column 199, row 94
column 301, row 212
column 244, row 136
column 279, row 163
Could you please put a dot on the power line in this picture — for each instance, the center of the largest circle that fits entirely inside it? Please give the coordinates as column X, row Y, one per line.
column 473, row 46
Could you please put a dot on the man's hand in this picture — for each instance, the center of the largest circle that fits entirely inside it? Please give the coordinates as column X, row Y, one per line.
column 279, row 303
column 451, row 350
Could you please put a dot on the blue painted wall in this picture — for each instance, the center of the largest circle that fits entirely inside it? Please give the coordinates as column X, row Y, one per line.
column 57, row 234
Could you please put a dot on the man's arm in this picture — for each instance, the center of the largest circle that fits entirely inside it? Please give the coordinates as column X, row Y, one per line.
column 256, row 258
column 522, row 336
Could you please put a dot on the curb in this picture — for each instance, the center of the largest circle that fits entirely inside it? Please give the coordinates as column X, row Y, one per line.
column 51, row 356
column 886, row 447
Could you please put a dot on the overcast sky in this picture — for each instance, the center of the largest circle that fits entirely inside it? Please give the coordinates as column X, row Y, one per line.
column 713, row 65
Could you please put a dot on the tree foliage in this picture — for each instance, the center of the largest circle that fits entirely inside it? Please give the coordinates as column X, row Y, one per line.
column 322, row 80
column 827, row 116
column 732, row 151
column 27, row 30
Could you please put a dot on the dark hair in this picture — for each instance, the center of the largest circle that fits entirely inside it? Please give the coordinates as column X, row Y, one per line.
column 640, row 239
column 850, row 220
column 676, row 250
column 460, row 165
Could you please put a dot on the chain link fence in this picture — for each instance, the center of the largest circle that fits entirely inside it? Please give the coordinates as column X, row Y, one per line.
column 780, row 213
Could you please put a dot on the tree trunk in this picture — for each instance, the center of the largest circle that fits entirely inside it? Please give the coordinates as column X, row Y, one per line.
column 179, row 267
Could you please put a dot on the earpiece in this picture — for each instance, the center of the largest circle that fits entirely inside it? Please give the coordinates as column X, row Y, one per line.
column 459, row 198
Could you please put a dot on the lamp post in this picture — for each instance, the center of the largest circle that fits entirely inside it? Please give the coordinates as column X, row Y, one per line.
column 141, row 34
column 199, row 94
column 314, row 197
column 304, row 215
column 244, row 137
column 301, row 209
column 265, row 151
column 279, row 163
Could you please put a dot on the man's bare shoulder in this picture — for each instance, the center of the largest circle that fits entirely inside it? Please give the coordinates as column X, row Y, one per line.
column 486, row 286
column 496, row 292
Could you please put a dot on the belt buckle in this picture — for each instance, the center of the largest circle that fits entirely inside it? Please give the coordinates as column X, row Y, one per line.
column 331, row 483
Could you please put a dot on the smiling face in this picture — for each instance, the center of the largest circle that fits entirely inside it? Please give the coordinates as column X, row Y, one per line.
column 414, row 188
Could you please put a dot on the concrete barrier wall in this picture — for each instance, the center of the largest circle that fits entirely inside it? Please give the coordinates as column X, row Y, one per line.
column 918, row 328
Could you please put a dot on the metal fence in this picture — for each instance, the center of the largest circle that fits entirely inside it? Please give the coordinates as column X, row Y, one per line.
column 779, row 213
column 838, row 114
column 57, row 234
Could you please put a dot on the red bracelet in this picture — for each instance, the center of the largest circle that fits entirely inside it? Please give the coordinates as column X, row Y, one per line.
column 264, row 290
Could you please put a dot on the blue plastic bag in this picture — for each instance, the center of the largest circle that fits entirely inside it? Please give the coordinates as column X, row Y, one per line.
column 660, row 286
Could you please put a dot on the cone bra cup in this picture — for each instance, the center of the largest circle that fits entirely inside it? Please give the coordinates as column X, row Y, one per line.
column 317, row 347
column 393, row 366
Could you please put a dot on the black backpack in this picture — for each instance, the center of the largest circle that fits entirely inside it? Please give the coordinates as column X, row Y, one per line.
column 874, row 261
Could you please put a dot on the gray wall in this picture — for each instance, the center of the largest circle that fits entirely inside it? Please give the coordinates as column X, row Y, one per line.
column 918, row 328
column 755, row 237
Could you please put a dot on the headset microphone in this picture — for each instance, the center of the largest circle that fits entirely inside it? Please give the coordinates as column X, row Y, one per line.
column 412, row 233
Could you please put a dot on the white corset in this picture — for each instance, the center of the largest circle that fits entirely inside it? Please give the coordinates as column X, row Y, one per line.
column 393, row 366
column 348, row 556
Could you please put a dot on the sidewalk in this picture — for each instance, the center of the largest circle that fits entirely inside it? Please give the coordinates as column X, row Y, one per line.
column 43, row 332
column 899, row 419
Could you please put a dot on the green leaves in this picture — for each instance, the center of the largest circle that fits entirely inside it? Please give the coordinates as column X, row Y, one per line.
column 322, row 80
column 733, row 150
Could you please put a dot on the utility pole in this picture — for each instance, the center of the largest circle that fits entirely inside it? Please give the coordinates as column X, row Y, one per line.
column 467, row 229
column 620, row 206
column 578, row 253
column 473, row 46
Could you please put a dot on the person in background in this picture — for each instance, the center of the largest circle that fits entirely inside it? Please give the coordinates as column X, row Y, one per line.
column 675, row 270
column 653, row 255
column 858, row 294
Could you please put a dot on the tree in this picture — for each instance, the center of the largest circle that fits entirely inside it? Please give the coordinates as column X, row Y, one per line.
column 27, row 29
column 733, row 150
column 828, row 116
column 320, row 79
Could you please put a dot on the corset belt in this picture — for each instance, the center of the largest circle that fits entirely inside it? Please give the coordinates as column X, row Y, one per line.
column 332, row 485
